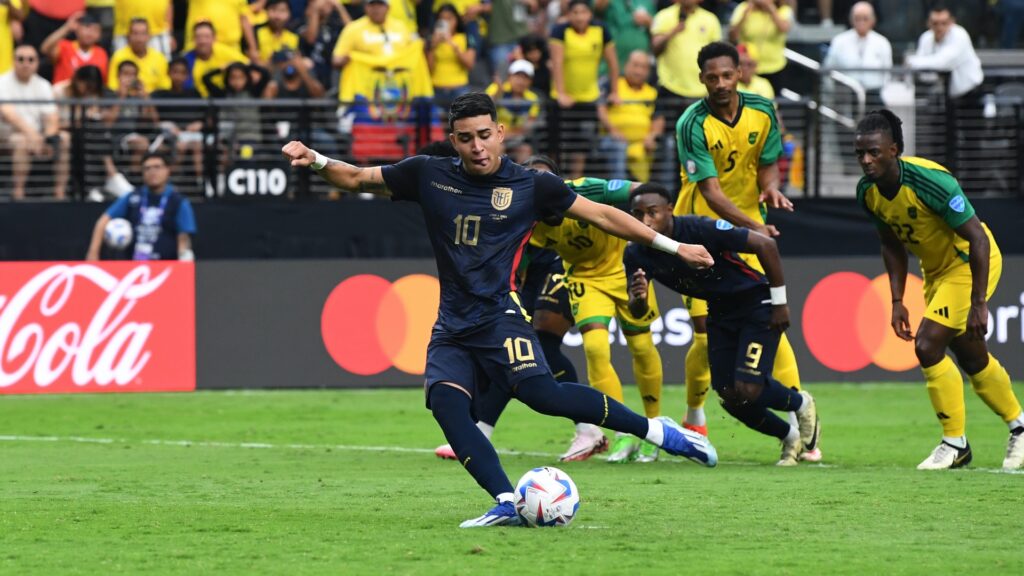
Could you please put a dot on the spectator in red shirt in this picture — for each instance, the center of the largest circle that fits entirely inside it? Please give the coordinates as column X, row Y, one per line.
column 70, row 55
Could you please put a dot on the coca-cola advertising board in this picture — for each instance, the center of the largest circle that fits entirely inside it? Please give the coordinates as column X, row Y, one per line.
column 97, row 327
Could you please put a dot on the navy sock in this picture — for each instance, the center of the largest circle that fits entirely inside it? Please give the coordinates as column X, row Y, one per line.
column 491, row 405
column 580, row 403
column 561, row 367
column 777, row 397
column 758, row 418
column 451, row 408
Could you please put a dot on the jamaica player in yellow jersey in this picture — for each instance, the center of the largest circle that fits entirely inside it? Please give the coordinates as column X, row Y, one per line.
column 918, row 205
column 729, row 145
column 598, row 291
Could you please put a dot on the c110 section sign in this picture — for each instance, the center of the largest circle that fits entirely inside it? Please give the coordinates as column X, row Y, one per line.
column 97, row 327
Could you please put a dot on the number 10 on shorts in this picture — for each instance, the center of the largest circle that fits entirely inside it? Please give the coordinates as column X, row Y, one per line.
column 519, row 349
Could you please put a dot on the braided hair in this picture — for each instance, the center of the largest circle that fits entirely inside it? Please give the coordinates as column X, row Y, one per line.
column 885, row 121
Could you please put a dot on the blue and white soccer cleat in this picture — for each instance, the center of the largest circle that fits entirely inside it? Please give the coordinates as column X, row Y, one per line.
column 503, row 514
column 679, row 441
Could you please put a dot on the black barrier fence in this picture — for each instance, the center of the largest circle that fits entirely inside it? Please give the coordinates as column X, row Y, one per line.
column 352, row 228
column 339, row 323
column 227, row 149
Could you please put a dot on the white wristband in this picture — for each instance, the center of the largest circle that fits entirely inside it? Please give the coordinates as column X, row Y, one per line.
column 186, row 256
column 665, row 244
column 778, row 295
column 319, row 162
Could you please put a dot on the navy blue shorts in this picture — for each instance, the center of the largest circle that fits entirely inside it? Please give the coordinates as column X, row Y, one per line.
column 741, row 341
column 502, row 353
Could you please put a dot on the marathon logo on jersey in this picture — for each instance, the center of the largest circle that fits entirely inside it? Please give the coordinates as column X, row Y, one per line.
column 957, row 204
column 752, row 137
column 501, row 198
column 723, row 225
column 97, row 327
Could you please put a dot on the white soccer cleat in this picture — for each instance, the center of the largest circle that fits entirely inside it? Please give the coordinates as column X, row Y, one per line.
column 810, row 427
column 790, row 453
column 946, row 456
column 589, row 440
column 1014, row 450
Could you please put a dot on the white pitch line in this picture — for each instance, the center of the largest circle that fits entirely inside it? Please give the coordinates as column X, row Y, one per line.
column 353, row 448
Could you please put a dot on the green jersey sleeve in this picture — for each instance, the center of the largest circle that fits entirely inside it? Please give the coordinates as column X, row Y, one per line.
column 862, row 190
column 692, row 143
column 772, row 150
column 602, row 191
column 941, row 193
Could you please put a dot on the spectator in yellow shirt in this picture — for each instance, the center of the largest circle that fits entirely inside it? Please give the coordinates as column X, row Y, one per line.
column 518, row 108
column 158, row 13
column 376, row 34
column 749, row 80
column 229, row 17
column 208, row 55
column 450, row 56
column 677, row 34
column 577, row 48
column 274, row 36
column 632, row 125
column 764, row 24
column 11, row 16
column 151, row 63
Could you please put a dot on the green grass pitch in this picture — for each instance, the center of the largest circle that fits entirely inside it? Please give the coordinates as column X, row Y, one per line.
column 345, row 482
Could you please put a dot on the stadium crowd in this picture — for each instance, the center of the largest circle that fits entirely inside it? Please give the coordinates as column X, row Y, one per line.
column 618, row 73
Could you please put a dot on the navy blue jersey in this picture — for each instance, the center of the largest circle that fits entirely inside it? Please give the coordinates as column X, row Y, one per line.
column 478, row 227
column 730, row 275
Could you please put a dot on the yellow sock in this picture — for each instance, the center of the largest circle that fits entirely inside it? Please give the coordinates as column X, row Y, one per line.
column 698, row 372
column 992, row 384
column 786, row 370
column 946, row 389
column 647, row 371
column 600, row 371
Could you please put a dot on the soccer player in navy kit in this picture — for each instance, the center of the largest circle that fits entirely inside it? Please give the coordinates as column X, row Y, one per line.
column 480, row 209
column 747, row 314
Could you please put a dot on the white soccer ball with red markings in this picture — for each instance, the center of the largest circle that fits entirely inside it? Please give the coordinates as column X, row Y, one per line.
column 547, row 497
column 118, row 233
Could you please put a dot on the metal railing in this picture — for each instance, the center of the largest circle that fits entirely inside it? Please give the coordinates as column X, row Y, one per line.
column 230, row 148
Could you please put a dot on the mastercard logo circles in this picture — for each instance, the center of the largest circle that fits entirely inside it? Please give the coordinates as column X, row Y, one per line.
column 370, row 324
column 847, row 322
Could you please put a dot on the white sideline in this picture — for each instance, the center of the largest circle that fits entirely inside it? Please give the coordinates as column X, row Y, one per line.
column 352, row 448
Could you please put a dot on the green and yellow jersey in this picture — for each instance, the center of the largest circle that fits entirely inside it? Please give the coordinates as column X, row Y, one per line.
column 710, row 147
column 924, row 213
column 587, row 251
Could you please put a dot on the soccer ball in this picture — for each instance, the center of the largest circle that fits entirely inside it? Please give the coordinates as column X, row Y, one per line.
column 547, row 497
column 117, row 234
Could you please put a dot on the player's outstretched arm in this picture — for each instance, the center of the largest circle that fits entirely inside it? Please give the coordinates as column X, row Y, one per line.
column 337, row 173
column 767, row 252
column 638, row 286
column 711, row 189
column 894, row 256
column 768, row 182
column 977, row 257
column 618, row 223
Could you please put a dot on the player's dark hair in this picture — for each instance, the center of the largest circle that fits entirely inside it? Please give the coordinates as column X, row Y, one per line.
column 651, row 188
column 584, row 2
column 546, row 161
column 438, row 148
column 161, row 156
column 884, row 121
column 470, row 105
column 717, row 50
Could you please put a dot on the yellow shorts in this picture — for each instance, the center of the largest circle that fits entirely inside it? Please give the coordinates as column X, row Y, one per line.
column 601, row 299
column 699, row 308
column 948, row 297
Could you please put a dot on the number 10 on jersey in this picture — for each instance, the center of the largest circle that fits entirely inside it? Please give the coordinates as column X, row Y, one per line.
column 467, row 230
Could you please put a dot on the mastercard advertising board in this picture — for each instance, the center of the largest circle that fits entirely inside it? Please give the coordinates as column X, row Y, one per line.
column 366, row 323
